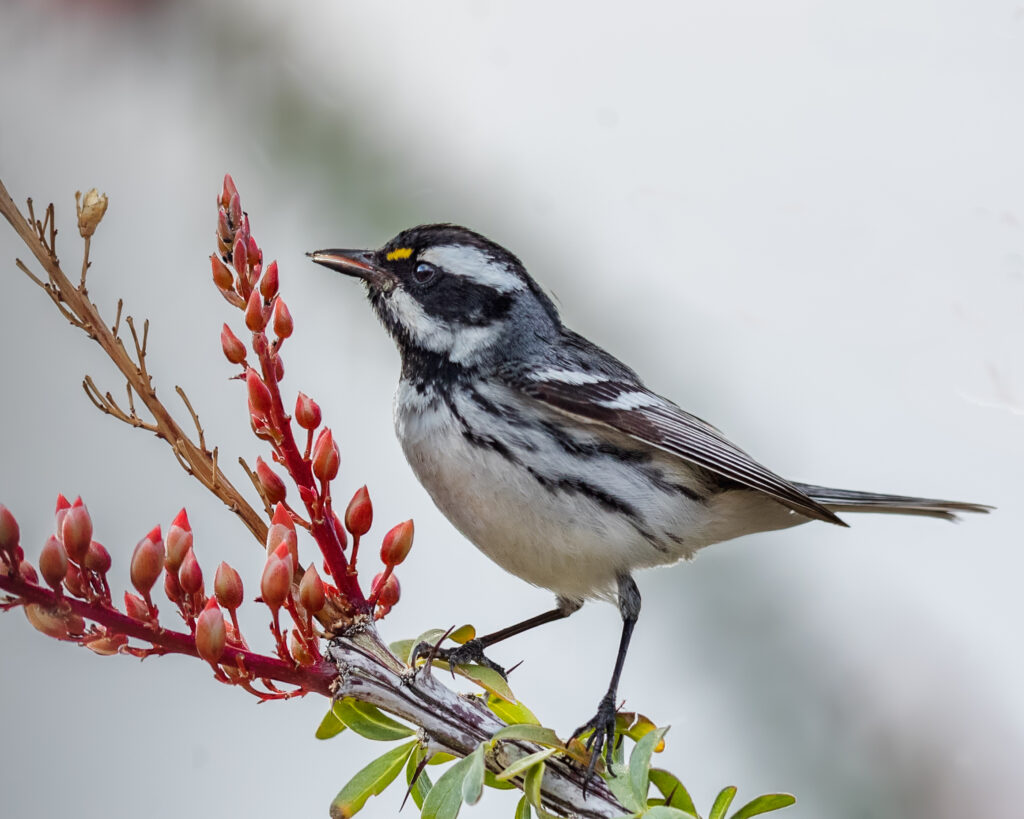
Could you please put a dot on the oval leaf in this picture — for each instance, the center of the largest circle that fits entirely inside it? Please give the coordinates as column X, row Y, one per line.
column 473, row 783
column 370, row 781
column 487, row 678
column 722, row 802
column 523, row 809
column 765, row 804
column 640, row 763
column 402, row 649
column 445, row 798
column 369, row 721
column 330, row 726
column 463, row 634
column 512, row 713
column 523, row 763
column 532, row 783
column 529, row 733
column 676, row 796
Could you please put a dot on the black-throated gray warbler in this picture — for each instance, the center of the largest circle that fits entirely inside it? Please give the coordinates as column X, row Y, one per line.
column 548, row 453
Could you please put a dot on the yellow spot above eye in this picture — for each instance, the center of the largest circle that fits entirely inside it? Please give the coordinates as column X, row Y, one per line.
column 400, row 253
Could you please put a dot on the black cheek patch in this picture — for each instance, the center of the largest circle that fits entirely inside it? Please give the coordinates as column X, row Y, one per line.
column 454, row 299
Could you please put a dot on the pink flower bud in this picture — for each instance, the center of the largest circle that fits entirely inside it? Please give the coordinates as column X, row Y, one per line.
column 147, row 561
column 276, row 581
column 300, row 653
column 388, row 594
column 76, row 532
column 227, row 191
column 97, row 558
column 255, row 317
column 234, row 349
column 278, row 367
column 255, row 255
column 62, row 509
column 135, row 607
column 179, row 541
column 396, row 544
column 274, row 489
column 227, row 585
column 73, row 582
column 311, row 591
column 307, row 412
column 283, row 323
column 222, row 275
column 190, row 575
column 172, row 588
column 359, row 513
column 27, row 572
column 326, row 458
column 260, row 401
column 53, row 563
column 239, row 257
column 269, row 282
column 10, row 534
column 211, row 633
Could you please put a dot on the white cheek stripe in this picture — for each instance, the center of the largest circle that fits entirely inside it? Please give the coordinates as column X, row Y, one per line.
column 474, row 264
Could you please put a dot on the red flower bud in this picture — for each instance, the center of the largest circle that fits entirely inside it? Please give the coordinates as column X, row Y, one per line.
column 240, row 257
column 147, row 561
column 255, row 255
column 274, row 489
column 9, row 531
column 396, row 544
column 222, row 275
column 307, row 412
column 135, row 607
column 179, row 541
column 28, row 572
column 388, row 594
column 300, row 653
column 227, row 585
column 211, row 632
column 190, row 575
column 260, row 401
column 62, row 509
column 76, row 532
column 326, row 458
column 97, row 558
column 227, row 191
column 73, row 582
column 278, row 367
column 172, row 588
column 255, row 317
column 269, row 282
column 311, row 591
column 283, row 323
column 276, row 581
column 359, row 514
column 53, row 563
column 234, row 349
column 283, row 516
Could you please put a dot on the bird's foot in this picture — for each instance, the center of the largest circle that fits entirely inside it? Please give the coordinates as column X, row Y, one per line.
column 603, row 738
column 471, row 651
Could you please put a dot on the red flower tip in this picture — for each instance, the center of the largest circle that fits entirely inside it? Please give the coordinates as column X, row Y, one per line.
column 234, row 349
column 181, row 520
column 179, row 543
column 276, row 581
column 97, row 558
column 283, row 323
column 307, row 412
column 222, row 275
column 311, row 591
column 76, row 532
column 269, row 282
column 326, row 458
column 255, row 316
column 397, row 543
column 135, row 607
column 10, row 534
column 147, row 562
column 211, row 632
column 274, row 489
column 190, row 575
column 359, row 513
column 62, row 503
column 77, row 502
column 260, row 401
column 283, row 516
column 53, row 563
column 227, row 586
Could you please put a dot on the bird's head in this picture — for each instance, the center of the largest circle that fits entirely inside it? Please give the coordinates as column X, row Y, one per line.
column 445, row 291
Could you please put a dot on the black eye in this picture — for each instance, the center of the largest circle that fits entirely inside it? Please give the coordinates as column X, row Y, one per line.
column 424, row 272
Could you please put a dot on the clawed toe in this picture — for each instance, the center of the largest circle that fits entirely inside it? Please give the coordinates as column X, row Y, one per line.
column 602, row 741
column 472, row 651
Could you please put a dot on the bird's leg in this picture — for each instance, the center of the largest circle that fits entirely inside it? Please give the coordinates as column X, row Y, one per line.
column 472, row 651
column 603, row 722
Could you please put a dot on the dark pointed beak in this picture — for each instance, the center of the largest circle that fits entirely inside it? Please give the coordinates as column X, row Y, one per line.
column 358, row 263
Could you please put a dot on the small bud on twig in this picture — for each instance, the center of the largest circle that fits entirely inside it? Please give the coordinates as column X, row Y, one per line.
column 312, row 595
column 227, row 585
column 234, row 349
column 274, row 489
column 76, row 532
column 222, row 275
column 10, row 534
column 211, row 632
column 326, row 457
column 359, row 513
column 283, row 324
column 97, row 558
column 396, row 544
column 190, row 575
column 275, row 581
column 179, row 541
column 307, row 412
column 147, row 562
column 260, row 400
column 269, row 282
column 255, row 316
column 135, row 607
column 91, row 208
column 53, row 563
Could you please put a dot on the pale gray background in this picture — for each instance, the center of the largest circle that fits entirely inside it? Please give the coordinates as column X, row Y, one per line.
column 801, row 220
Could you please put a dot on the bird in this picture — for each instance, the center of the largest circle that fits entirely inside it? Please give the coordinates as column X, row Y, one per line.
column 549, row 454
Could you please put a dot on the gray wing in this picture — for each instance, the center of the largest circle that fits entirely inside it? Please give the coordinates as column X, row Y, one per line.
column 614, row 398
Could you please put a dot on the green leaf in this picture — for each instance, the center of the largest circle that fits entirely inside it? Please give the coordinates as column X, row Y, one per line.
column 402, row 649
column 640, row 763
column 512, row 713
column 523, row 763
column 369, row 721
column 491, row 781
column 523, row 809
column 622, row 788
column 370, row 781
column 532, row 783
column 445, row 798
column 487, row 678
column 529, row 733
column 330, row 726
column 463, row 634
column 676, row 796
column 440, row 758
column 665, row 812
column 635, row 726
column 765, row 804
column 419, row 789
column 473, row 783
column 722, row 802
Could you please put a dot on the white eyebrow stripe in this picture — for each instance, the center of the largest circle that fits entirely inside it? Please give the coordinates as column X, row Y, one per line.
column 568, row 377
column 473, row 263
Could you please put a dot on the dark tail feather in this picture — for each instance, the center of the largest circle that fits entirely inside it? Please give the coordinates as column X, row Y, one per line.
column 845, row 500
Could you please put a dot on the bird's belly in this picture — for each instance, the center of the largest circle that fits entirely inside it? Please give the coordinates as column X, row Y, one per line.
column 557, row 534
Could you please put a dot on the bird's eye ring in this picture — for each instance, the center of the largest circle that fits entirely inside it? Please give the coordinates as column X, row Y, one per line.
column 424, row 272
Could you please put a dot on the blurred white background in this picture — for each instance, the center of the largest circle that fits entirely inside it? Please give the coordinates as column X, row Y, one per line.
column 803, row 221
